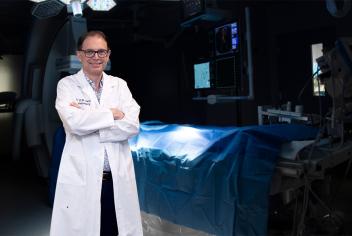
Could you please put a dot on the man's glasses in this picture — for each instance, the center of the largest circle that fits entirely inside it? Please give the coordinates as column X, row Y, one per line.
column 91, row 53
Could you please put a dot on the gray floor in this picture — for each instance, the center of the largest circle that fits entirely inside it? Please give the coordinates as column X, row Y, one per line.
column 24, row 209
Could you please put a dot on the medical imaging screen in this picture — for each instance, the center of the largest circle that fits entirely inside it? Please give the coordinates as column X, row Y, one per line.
column 226, row 39
column 202, row 75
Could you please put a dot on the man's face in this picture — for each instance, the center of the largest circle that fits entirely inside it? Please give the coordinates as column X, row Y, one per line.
column 95, row 63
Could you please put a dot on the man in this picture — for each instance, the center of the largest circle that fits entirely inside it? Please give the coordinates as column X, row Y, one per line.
column 96, row 191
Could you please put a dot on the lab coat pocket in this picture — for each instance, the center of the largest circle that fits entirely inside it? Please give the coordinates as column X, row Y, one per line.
column 73, row 170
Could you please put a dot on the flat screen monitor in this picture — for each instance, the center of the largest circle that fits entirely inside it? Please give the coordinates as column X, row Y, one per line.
column 226, row 39
column 225, row 72
column 202, row 75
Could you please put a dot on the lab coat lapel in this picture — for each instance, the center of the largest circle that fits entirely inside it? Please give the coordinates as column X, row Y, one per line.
column 86, row 88
column 107, row 90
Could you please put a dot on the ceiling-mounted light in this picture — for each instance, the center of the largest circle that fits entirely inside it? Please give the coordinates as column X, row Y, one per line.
column 101, row 5
column 44, row 8
column 47, row 8
column 76, row 8
column 67, row 2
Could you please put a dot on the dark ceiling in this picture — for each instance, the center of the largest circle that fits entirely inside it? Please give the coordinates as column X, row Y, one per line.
column 159, row 17
column 15, row 19
column 153, row 19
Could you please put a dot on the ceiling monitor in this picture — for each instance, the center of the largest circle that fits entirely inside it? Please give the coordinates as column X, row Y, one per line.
column 215, row 75
column 231, row 63
column 225, row 72
column 202, row 75
column 221, row 73
column 226, row 39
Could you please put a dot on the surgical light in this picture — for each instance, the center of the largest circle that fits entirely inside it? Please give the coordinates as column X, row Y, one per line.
column 76, row 8
column 48, row 8
column 67, row 2
column 101, row 5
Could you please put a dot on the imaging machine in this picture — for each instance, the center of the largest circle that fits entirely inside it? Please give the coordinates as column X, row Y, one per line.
column 304, row 163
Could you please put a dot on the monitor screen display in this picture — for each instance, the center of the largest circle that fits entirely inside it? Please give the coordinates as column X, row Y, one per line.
column 202, row 75
column 226, row 39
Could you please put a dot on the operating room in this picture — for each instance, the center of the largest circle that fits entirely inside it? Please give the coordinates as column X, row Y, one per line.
column 245, row 110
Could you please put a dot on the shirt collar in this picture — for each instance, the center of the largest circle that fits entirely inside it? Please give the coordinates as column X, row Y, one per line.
column 91, row 82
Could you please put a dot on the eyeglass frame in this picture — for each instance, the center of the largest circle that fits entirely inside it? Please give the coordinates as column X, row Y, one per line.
column 105, row 51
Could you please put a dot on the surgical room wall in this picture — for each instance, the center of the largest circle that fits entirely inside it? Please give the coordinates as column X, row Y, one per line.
column 10, row 80
column 281, row 52
column 155, row 76
column 160, row 77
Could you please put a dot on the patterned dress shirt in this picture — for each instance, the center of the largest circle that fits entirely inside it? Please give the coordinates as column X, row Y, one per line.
column 98, row 92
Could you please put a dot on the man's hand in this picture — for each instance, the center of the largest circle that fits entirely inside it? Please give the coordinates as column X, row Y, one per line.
column 75, row 104
column 118, row 115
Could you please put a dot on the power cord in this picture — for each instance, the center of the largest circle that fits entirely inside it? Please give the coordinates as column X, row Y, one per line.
column 306, row 84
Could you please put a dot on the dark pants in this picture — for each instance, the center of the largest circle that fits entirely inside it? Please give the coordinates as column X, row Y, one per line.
column 108, row 223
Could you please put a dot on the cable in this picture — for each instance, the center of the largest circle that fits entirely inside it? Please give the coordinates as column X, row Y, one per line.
column 308, row 189
column 320, row 105
column 301, row 224
column 338, row 189
column 295, row 214
column 306, row 84
column 307, row 185
column 337, row 116
column 348, row 168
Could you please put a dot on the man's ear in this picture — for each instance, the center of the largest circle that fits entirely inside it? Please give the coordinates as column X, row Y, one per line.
column 78, row 56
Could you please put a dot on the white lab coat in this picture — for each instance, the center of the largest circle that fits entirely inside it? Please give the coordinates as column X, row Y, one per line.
column 89, row 130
